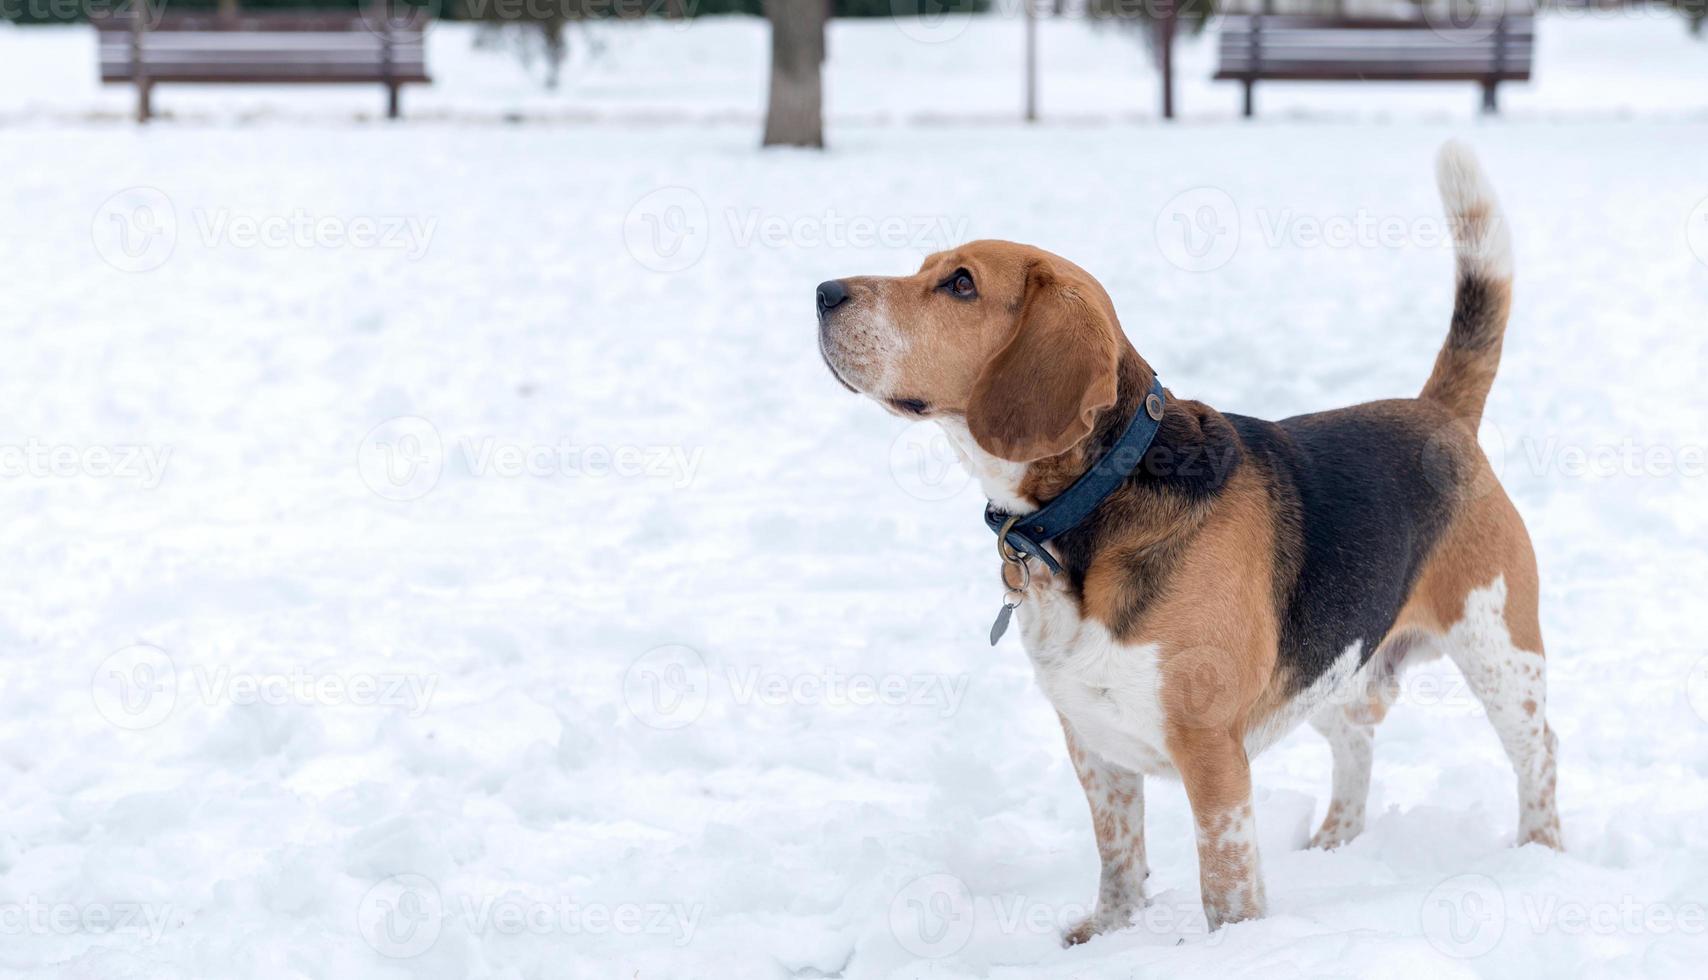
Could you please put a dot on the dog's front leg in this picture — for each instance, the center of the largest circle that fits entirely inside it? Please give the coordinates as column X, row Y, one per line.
column 1117, row 798
column 1213, row 766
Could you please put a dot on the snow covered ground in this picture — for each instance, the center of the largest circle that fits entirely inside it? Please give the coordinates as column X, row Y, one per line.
column 437, row 549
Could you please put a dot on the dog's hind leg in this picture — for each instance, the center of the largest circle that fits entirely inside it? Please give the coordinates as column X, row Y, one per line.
column 1349, row 723
column 1352, row 745
column 1511, row 684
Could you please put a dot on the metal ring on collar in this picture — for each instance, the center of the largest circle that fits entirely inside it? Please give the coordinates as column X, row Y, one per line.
column 1007, row 552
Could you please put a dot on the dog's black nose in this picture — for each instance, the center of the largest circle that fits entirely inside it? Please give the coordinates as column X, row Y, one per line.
column 830, row 295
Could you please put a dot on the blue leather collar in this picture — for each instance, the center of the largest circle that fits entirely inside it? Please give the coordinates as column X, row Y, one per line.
column 1028, row 533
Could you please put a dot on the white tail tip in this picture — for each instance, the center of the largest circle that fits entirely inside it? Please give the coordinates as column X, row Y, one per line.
column 1480, row 237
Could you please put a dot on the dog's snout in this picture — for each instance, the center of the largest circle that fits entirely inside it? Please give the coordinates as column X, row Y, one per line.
column 831, row 294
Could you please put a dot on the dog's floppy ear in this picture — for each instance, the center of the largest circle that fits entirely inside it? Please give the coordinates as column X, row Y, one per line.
column 1040, row 394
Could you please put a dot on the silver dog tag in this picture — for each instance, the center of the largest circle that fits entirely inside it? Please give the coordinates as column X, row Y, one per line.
column 1011, row 598
column 1003, row 615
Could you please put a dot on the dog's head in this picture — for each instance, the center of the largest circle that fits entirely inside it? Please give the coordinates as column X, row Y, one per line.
column 1020, row 344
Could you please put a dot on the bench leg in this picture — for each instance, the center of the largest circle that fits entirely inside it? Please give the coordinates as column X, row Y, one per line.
column 1250, row 84
column 392, row 107
column 1490, row 106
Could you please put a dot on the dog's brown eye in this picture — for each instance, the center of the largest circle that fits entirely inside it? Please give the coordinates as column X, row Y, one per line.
column 960, row 284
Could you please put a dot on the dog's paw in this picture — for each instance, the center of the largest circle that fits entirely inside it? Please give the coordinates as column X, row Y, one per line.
column 1098, row 923
column 1329, row 838
column 1338, row 828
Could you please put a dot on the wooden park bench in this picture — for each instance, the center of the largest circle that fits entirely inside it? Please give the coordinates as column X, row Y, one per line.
column 262, row 48
column 1257, row 47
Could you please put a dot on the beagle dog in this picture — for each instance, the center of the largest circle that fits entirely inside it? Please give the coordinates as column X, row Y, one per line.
column 1246, row 575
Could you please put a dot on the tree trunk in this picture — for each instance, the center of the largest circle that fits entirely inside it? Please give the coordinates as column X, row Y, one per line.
column 796, row 115
column 557, row 49
column 228, row 9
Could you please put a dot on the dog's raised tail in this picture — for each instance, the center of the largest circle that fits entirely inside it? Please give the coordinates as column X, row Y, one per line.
column 1465, row 368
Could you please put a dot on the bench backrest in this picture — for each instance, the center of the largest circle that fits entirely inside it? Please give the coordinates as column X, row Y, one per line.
column 262, row 47
column 1305, row 47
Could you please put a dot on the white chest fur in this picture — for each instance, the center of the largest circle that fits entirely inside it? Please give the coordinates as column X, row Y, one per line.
column 1111, row 692
column 1107, row 690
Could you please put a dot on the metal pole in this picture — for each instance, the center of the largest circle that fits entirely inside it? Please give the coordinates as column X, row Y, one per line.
column 1031, row 62
column 139, row 60
column 1170, row 13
